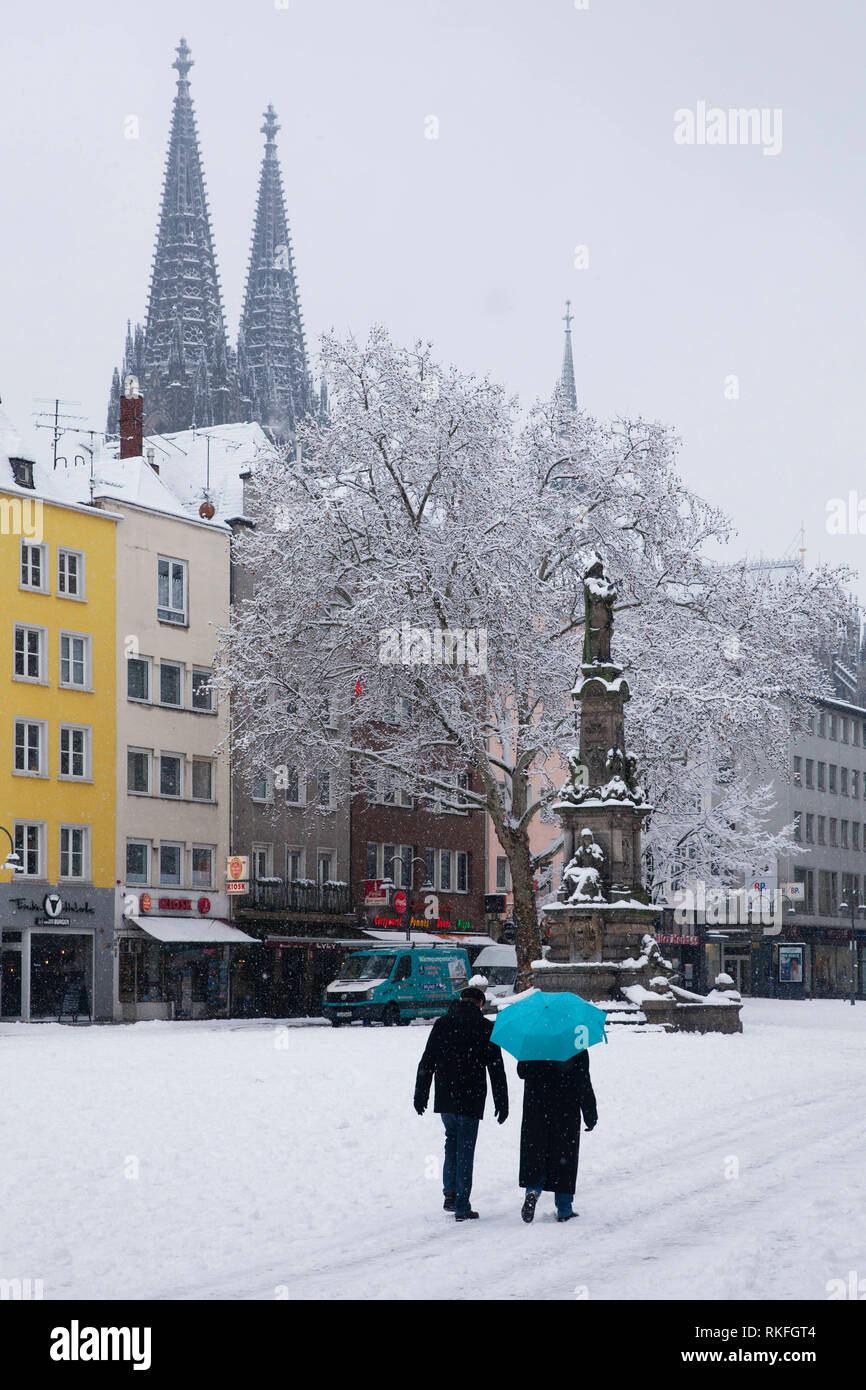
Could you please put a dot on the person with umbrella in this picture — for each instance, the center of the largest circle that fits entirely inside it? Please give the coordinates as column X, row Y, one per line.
column 549, row 1035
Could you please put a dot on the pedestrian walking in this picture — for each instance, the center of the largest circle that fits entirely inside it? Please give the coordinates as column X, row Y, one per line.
column 555, row 1096
column 458, row 1057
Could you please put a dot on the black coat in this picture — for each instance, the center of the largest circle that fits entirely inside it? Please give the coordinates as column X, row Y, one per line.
column 554, row 1097
column 459, row 1054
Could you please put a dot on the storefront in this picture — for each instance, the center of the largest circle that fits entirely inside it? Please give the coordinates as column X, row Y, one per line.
column 728, row 951
column 682, row 947
column 56, row 957
column 172, row 966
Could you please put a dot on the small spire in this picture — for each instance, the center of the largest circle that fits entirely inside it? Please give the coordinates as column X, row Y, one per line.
column 566, row 377
column 270, row 127
column 183, row 62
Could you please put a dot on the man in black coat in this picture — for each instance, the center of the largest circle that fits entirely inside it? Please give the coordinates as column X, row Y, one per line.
column 458, row 1055
column 555, row 1096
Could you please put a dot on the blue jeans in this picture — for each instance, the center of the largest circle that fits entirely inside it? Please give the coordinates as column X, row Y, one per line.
column 563, row 1200
column 461, row 1131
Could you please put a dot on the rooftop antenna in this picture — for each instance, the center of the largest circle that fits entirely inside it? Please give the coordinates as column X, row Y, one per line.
column 60, row 421
column 802, row 545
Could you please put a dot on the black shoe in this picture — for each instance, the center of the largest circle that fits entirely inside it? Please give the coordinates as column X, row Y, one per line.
column 448, row 1204
column 567, row 1215
column 527, row 1211
column 466, row 1216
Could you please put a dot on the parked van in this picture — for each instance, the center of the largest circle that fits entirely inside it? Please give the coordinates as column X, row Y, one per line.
column 498, row 965
column 393, row 984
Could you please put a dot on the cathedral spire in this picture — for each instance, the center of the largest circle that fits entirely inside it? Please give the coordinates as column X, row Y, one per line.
column 271, row 326
column 566, row 376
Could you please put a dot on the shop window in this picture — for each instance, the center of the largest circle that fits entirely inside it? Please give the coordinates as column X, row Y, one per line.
column 138, row 678
column 70, row 573
column 170, row 864
column 202, row 693
column 29, row 658
column 171, row 684
column 137, row 861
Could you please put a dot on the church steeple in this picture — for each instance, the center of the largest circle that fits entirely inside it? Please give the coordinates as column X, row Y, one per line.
column 566, row 375
column 271, row 335
column 183, row 347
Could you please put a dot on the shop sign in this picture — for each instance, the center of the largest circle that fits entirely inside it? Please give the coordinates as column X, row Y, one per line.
column 677, row 940
column 237, row 868
column 54, row 909
column 237, row 886
column 375, row 892
column 145, row 902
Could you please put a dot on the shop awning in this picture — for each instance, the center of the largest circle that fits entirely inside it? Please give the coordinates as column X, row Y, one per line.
column 188, row 929
column 398, row 936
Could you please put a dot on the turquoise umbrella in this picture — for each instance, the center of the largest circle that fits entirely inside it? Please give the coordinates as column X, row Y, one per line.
column 548, row 1027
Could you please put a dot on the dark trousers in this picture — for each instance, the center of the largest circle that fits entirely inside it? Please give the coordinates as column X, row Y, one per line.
column 461, row 1131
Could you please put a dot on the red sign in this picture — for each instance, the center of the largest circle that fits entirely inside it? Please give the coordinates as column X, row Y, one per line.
column 145, row 902
column 375, row 892
column 175, row 905
column 203, row 905
column 400, row 901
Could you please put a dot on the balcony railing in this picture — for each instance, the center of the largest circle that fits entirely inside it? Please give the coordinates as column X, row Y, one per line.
column 275, row 895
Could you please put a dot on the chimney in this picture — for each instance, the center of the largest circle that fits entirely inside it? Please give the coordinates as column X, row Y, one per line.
column 151, row 454
column 131, row 420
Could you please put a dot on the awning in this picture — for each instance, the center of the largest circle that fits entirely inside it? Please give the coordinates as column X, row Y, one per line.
column 398, row 936
column 188, row 929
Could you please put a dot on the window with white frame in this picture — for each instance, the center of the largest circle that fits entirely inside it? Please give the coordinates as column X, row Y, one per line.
column 138, row 678
column 139, row 762
column 294, row 787
column 170, row 863
column 202, row 693
column 430, row 868
column 29, row 657
column 30, row 847
column 75, row 660
column 74, row 846
column 30, row 747
column 294, row 864
column 262, row 861
column 202, row 866
column 260, row 787
column 34, row 567
column 171, row 590
column 202, row 779
column 75, row 746
column 171, row 684
column 503, row 874
column 70, row 573
column 138, row 861
column 325, row 860
column 445, row 860
column 170, row 774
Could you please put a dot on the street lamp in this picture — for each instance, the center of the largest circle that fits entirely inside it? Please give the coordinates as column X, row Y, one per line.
column 13, row 858
column 852, row 944
column 407, row 915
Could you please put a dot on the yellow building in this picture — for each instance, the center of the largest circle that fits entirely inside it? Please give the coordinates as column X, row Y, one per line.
column 57, row 751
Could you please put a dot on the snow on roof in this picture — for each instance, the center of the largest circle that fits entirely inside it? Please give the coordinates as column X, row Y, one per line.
column 134, row 481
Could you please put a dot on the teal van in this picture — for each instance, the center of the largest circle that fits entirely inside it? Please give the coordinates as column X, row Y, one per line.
column 393, row 984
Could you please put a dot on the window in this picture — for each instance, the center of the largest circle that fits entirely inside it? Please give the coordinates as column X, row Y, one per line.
column 29, row 747
column 262, row 861
column 294, row 787
column 843, row 827
column 170, row 774
column 797, row 829
column 406, row 798
column 832, row 830
column 462, row 871
column 74, row 751
column 828, row 901
column 832, row 725
column 138, row 764
column 445, row 870
column 430, row 868
column 260, row 787
column 822, row 725
column 34, row 567
column 324, row 783
column 202, row 866
column 295, row 865
column 388, row 856
column 822, row 769
column 821, row 832
column 324, row 867
column 806, row 877
column 202, row 779
column 138, row 678
column 29, row 840
column 855, row 733
column 810, row 832
column 29, row 661
column 171, row 590
column 810, row 772
column 403, row 969
column 70, row 573
column 170, row 863
column 73, row 851
column 202, row 694
column 372, row 863
column 74, row 660
column 832, row 782
column 137, row 861
column 855, row 782
column 502, row 874
column 855, row 830
column 404, row 864
column 171, row 684
column 798, row 766
column 843, row 723
column 843, row 780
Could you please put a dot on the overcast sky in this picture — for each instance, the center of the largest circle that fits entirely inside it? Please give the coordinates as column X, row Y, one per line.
column 556, row 130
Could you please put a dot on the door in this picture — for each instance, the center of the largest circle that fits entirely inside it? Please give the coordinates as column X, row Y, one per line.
column 403, row 989
column 739, row 967
column 10, row 984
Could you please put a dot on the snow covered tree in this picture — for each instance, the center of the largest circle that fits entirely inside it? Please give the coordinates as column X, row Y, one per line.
column 418, row 604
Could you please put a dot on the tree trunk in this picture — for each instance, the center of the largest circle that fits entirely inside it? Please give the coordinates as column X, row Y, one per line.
column 527, row 938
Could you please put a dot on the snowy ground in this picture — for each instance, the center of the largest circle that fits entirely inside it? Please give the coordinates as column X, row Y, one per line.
column 302, row 1171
